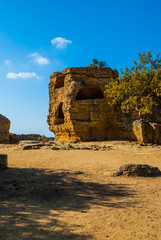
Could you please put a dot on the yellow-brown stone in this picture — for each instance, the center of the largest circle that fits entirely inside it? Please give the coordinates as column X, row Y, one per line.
column 79, row 111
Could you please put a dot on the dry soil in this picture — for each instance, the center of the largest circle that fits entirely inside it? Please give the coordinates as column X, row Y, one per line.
column 64, row 194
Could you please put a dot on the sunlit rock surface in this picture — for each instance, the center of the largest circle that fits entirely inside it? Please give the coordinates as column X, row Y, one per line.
column 79, row 111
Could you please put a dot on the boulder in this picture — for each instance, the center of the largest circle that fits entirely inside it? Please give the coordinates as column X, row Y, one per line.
column 4, row 129
column 79, row 110
column 142, row 170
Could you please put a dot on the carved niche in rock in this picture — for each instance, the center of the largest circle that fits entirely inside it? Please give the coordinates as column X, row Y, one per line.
column 78, row 109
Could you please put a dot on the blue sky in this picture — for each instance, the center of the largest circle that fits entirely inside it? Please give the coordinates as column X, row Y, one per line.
column 38, row 37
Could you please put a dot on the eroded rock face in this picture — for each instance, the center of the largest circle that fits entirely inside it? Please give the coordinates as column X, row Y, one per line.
column 78, row 109
column 4, row 129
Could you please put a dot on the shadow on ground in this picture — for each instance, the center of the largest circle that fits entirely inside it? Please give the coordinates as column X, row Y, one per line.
column 33, row 200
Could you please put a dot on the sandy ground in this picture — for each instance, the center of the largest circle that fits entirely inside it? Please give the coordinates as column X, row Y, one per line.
column 47, row 194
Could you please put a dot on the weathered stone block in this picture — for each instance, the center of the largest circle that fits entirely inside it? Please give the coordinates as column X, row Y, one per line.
column 3, row 161
column 147, row 132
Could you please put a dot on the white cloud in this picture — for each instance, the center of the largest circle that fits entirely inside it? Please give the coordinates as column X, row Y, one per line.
column 60, row 42
column 7, row 61
column 21, row 75
column 38, row 58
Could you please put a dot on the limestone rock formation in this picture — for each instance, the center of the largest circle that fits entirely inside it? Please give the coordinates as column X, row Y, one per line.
column 4, row 129
column 78, row 109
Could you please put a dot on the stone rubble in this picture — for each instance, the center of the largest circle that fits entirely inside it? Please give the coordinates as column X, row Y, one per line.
column 28, row 145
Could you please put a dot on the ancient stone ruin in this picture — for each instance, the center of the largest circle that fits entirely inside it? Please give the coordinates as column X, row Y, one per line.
column 78, row 108
column 79, row 111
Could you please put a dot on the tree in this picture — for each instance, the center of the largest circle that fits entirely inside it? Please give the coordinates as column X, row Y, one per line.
column 102, row 64
column 138, row 88
column 97, row 63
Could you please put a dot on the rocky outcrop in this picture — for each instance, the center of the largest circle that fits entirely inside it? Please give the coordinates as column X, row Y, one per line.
column 78, row 109
column 4, row 129
column 142, row 170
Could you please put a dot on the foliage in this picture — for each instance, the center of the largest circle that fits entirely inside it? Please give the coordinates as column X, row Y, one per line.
column 138, row 88
column 97, row 63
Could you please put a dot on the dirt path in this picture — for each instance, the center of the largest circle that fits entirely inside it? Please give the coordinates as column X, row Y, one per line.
column 47, row 194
